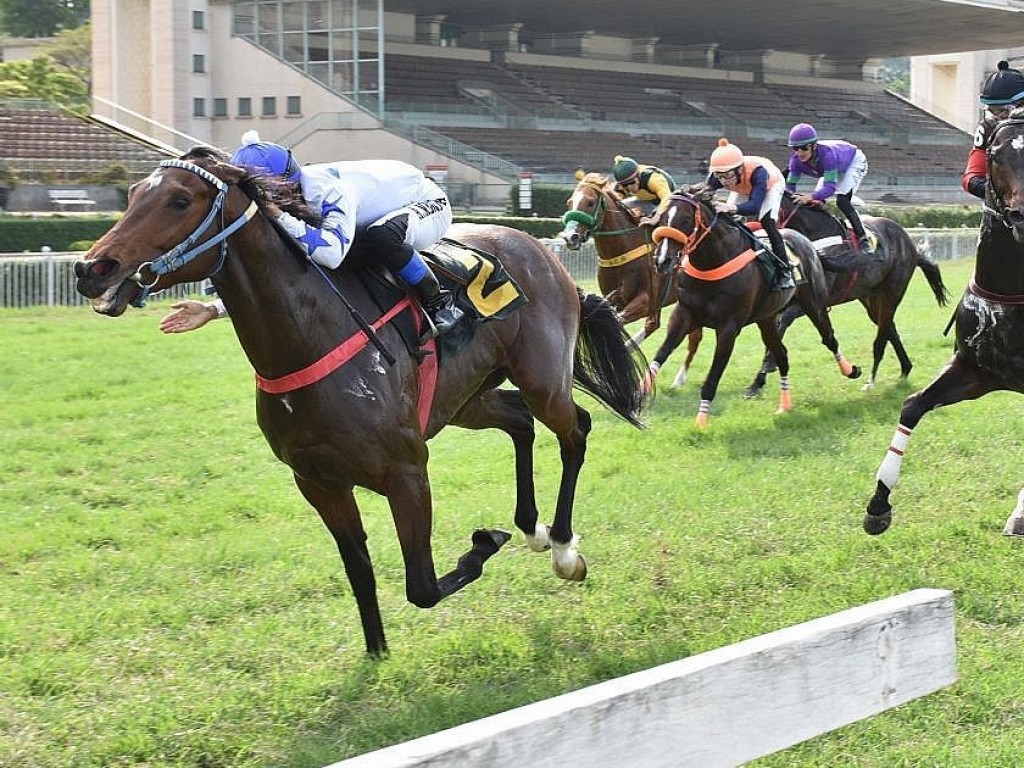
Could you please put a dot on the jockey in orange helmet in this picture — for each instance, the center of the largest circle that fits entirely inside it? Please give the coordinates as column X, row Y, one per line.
column 755, row 187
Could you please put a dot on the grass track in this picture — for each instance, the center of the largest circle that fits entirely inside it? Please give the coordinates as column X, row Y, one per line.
column 168, row 598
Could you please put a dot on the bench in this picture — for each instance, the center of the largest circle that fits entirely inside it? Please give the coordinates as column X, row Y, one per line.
column 65, row 197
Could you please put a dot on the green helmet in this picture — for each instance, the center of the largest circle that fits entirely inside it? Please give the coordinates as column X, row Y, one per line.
column 625, row 168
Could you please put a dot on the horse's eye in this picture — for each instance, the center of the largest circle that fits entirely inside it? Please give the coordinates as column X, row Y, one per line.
column 180, row 202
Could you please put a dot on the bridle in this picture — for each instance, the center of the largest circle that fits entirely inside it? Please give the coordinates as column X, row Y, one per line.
column 188, row 250
column 688, row 242
column 999, row 210
column 592, row 221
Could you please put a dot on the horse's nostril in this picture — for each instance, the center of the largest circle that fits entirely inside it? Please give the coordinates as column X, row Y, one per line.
column 1015, row 216
column 80, row 269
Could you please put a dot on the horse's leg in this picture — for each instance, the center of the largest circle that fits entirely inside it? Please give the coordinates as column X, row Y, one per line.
column 771, row 336
column 693, row 340
column 571, row 429
column 505, row 409
column 883, row 316
column 954, row 384
column 408, row 493
column 819, row 316
column 679, row 327
column 725, row 341
column 789, row 314
column 340, row 514
column 901, row 353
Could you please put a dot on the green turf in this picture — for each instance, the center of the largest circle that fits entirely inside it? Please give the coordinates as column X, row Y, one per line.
column 168, row 599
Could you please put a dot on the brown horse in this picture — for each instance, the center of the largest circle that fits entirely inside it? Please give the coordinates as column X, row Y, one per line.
column 879, row 281
column 625, row 272
column 989, row 352
column 722, row 286
column 343, row 413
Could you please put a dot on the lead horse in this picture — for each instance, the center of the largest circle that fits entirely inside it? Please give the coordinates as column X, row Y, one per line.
column 625, row 269
column 348, row 417
column 722, row 285
column 878, row 281
column 989, row 350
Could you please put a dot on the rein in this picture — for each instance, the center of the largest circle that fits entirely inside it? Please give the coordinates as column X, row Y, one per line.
column 187, row 250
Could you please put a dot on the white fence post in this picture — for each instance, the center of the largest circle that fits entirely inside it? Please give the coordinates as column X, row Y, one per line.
column 721, row 708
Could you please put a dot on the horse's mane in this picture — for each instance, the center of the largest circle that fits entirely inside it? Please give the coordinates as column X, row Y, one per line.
column 271, row 193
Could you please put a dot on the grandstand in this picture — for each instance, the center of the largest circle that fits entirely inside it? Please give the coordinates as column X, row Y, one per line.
column 487, row 92
column 44, row 143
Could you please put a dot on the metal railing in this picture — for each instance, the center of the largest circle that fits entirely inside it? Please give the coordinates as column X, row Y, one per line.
column 48, row 279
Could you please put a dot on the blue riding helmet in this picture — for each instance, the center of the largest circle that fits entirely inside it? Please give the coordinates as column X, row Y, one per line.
column 265, row 156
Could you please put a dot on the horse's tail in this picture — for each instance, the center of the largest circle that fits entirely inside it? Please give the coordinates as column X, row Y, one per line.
column 931, row 271
column 606, row 365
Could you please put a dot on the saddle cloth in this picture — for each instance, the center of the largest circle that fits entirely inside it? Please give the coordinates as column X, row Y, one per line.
column 482, row 284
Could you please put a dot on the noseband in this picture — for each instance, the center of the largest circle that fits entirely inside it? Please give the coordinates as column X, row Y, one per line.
column 187, row 250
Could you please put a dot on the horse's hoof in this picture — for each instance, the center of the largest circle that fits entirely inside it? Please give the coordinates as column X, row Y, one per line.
column 751, row 392
column 567, row 562
column 540, row 541
column 1014, row 527
column 855, row 373
column 490, row 541
column 876, row 524
column 868, row 385
column 575, row 572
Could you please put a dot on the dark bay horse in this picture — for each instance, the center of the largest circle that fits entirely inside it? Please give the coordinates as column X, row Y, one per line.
column 361, row 420
column 625, row 271
column 721, row 285
column 878, row 281
column 989, row 350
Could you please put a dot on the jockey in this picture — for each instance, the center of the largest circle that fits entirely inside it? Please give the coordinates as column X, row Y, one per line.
column 645, row 182
column 840, row 168
column 389, row 205
column 755, row 187
column 1003, row 90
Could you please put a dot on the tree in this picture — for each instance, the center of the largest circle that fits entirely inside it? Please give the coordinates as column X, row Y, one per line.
column 41, row 18
column 42, row 78
column 72, row 50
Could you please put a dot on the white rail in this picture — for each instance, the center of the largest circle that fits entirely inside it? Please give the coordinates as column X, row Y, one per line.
column 721, row 708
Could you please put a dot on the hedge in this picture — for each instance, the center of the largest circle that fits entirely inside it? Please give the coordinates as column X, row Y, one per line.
column 69, row 233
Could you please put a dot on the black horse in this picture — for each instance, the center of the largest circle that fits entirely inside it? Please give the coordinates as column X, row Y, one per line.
column 722, row 285
column 989, row 353
column 879, row 281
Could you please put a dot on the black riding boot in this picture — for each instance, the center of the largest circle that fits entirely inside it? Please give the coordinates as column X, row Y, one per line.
column 863, row 243
column 783, row 269
column 439, row 304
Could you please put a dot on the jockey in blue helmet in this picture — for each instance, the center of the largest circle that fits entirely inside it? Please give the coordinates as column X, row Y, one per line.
column 391, row 206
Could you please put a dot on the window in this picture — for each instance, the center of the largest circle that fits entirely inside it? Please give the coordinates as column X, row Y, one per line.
column 198, row 21
column 294, row 105
column 220, row 107
column 269, row 106
column 245, row 107
column 198, row 107
column 198, row 63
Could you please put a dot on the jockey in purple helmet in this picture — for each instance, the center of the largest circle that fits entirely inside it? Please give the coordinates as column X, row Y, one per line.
column 840, row 168
column 391, row 206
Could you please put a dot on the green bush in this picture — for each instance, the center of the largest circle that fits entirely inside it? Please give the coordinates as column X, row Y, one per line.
column 20, row 233
column 80, row 245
